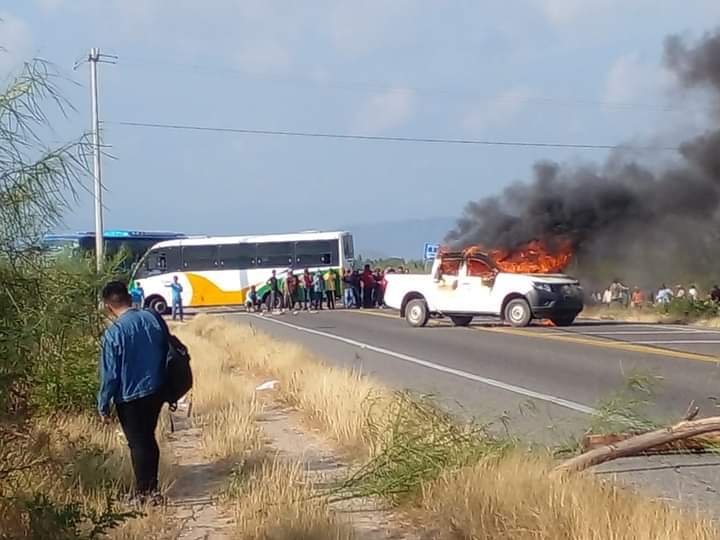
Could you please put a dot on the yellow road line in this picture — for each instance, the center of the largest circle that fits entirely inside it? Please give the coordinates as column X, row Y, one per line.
column 565, row 337
column 605, row 344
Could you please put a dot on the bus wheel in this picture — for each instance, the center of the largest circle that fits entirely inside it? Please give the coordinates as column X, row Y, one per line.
column 157, row 304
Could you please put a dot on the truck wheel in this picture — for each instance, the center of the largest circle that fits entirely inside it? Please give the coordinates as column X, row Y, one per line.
column 157, row 304
column 461, row 320
column 416, row 313
column 563, row 320
column 517, row 312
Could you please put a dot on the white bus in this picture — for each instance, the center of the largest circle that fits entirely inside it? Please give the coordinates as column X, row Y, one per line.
column 219, row 270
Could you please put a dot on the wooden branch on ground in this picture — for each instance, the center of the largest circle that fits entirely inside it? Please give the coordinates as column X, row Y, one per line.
column 639, row 443
column 691, row 444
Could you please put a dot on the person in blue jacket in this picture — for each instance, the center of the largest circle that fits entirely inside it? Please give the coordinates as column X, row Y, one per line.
column 177, row 303
column 132, row 377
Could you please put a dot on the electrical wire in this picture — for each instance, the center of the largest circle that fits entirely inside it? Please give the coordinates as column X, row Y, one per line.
column 384, row 138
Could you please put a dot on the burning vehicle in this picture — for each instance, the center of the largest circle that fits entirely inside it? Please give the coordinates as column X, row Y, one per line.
column 517, row 286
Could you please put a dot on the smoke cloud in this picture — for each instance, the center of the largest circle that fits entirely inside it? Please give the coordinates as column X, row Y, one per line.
column 644, row 223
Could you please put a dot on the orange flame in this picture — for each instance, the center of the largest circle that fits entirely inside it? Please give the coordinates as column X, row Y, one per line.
column 535, row 257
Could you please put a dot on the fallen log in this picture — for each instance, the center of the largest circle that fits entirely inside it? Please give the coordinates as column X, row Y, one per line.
column 640, row 443
column 697, row 443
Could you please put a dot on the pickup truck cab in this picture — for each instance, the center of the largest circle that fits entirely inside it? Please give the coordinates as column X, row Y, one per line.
column 462, row 286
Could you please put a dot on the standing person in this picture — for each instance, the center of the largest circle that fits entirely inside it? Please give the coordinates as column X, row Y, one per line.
column 637, row 300
column 357, row 288
column 274, row 290
column 132, row 376
column 289, row 290
column 330, row 287
column 308, row 281
column 368, row 283
column 693, row 293
column 177, row 303
column 680, row 291
column 381, row 284
column 349, row 291
column 318, row 290
column 300, row 292
column 138, row 295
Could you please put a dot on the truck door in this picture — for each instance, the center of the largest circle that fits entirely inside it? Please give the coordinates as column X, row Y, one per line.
column 446, row 274
column 475, row 287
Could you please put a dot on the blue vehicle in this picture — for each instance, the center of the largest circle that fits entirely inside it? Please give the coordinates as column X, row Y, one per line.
column 136, row 243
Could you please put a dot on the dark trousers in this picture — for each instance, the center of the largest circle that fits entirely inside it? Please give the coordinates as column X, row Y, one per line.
column 138, row 419
column 330, row 299
column 368, row 297
column 358, row 297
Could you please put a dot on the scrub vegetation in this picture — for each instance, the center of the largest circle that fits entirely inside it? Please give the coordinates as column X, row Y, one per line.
column 61, row 472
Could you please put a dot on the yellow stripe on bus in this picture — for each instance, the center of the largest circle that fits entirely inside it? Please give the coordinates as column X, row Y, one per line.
column 206, row 293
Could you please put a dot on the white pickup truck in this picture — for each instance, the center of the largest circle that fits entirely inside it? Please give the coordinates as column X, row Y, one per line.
column 463, row 286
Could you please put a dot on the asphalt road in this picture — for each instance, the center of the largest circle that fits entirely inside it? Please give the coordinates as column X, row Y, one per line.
column 544, row 382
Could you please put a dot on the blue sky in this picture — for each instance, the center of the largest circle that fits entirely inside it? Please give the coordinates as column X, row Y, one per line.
column 567, row 71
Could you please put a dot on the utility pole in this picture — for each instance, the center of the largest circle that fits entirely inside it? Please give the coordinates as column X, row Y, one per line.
column 93, row 59
column 99, row 231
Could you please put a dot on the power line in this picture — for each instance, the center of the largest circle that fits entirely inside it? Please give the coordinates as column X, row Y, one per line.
column 384, row 138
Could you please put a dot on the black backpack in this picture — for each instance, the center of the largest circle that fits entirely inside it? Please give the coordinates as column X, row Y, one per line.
column 178, row 373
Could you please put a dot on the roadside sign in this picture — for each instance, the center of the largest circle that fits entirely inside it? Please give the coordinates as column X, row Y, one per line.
column 431, row 251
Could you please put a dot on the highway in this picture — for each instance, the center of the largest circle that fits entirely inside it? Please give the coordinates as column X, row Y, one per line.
column 545, row 382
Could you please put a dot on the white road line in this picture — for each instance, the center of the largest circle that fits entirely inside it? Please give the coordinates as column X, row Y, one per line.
column 677, row 342
column 637, row 332
column 572, row 405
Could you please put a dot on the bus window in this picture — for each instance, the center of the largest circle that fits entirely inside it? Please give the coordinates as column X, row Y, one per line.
column 237, row 256
column 316, row 253
column 348, row 247
column 160, row 261
column 275, row 254
column 200, row 258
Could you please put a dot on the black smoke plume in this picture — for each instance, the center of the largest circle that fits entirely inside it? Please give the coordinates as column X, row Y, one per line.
column 642, row 223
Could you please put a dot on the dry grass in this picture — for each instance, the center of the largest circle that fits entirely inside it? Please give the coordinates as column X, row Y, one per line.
column 516, row 498
column 275, row 502
column 223, row 399
column 80, row 461
column 337, row 400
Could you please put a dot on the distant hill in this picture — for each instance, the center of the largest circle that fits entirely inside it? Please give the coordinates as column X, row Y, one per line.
column 398, row 238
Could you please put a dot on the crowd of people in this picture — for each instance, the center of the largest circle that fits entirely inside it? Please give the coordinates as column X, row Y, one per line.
column 619, row 295
column 317, row 290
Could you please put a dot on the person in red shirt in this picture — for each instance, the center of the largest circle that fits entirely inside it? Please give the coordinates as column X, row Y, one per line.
column 368, row 285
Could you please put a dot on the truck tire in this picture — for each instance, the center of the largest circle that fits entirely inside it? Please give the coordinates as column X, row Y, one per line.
column 461, row 320
column 157, row 304
column 563, row 320
column 517, row 312
column 416, row 313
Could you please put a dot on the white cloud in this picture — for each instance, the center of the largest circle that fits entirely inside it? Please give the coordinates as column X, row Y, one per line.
column 631, row 79
column 263, row 57
column 498, row 111
column 386, row 110
column 15, row 42
column 567, row 12
column 359, row 27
